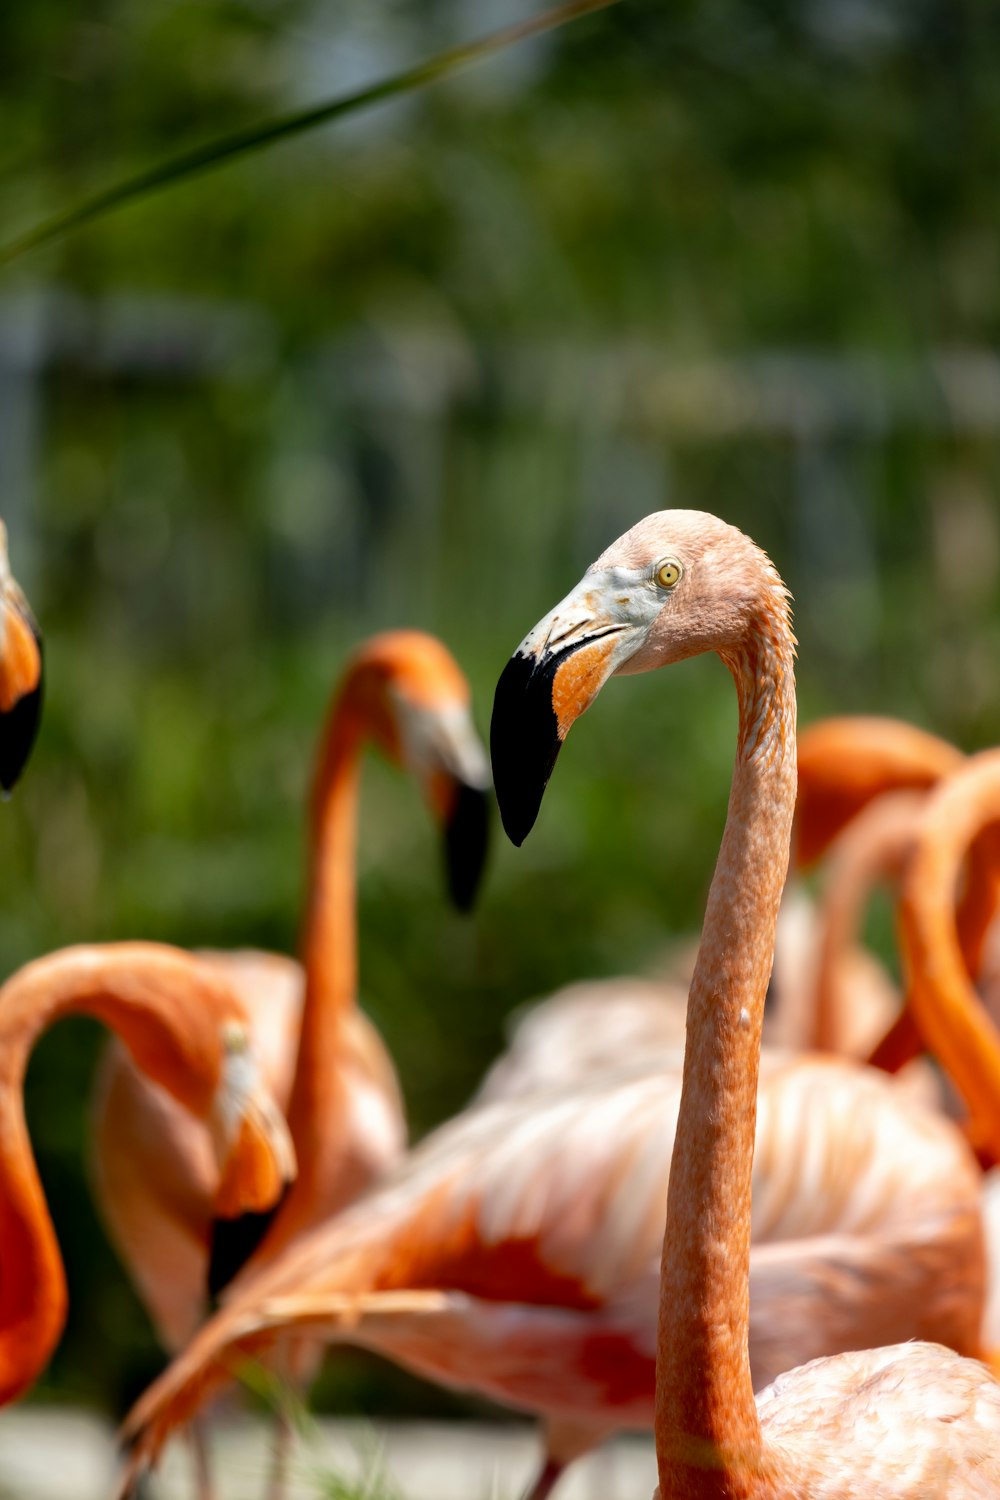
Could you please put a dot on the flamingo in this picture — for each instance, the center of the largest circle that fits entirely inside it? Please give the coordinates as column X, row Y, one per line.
column 516, row 1251
column 960, row 816
column 328, row 1067
column 844, row 764
column 844, row 761
column 186, row 1028
column 909, row 1420
column 20, row 674
column 950, row 1016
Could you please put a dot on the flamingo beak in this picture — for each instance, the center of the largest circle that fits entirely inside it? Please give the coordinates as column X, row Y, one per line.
column 257, row 1165
column 20, row 683
column 442, row 746
column 553, row 676
column 466, row 841
column 234, row 1241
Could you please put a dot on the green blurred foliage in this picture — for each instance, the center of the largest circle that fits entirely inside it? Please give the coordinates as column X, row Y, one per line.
column 419, row 369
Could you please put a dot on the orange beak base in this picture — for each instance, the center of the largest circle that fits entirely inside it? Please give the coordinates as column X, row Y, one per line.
column 537, row 699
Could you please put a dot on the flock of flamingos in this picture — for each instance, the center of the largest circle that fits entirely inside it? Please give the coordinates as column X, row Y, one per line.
column 815, row 1320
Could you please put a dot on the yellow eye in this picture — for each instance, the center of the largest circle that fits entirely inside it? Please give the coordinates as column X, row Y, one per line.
column 668, row 573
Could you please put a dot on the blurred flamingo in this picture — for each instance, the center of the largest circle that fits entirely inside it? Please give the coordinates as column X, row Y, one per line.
column 959, row 816
column 186, row 1028
column 330, row 1071
column 517, row 1251
column 845, row 761
column 20, row 674
column 826, row 992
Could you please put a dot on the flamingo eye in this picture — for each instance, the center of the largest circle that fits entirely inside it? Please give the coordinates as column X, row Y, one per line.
column 668, row 573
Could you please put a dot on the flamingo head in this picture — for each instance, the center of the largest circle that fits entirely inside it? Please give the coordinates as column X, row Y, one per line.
column 20, row 674
column 678, row 583
column 415, row 703
column 250, row 1138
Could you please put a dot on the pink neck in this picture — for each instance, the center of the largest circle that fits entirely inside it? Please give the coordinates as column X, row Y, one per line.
column 329, row 951
column 948, row 1011
column 32, row 1282
column 871, row 848
column 707, row 1433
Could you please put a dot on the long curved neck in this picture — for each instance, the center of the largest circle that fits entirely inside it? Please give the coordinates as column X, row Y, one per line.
column 871, row 848
column 977, row 906
column 32, row 1281
column 980, row 899
column 708, row 1440
column 329, row 942
column 948, row 1012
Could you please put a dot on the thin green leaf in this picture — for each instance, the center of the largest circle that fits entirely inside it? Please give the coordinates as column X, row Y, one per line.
column 213, row 153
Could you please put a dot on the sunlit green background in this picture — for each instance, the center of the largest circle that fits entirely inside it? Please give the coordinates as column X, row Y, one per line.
column 420, row 367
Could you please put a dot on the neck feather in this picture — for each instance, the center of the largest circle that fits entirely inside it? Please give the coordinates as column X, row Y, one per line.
column 707, row 1433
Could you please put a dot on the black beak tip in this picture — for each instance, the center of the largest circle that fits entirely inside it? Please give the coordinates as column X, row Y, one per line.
column 466, row 841
column 233, row 1241
column 18, row 731
column 524, row 741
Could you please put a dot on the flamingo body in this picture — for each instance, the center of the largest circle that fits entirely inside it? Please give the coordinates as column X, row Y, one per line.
column 516, row 1251
column 924, row 1424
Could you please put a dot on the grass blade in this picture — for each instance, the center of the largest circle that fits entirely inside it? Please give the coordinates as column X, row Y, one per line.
column 214, row 153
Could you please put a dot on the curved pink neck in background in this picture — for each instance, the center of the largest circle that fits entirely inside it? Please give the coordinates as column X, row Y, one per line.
column 870, row 849
column 948, row 1012
column 143, row 995
column 845, row 762
column 329, row 949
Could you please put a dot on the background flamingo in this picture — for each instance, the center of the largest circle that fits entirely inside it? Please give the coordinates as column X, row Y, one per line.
column 844, row 761
column 20, row 674
column 949, row 1014
column 517, row 1251
column 822, row 980
column 327, row 1065
column 963, row 810
column 185, row 1026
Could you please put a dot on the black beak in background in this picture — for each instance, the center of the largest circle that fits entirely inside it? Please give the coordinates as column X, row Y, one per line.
column 525, row 738
column 233, row 1241
column 466, row 841
column 19, row 727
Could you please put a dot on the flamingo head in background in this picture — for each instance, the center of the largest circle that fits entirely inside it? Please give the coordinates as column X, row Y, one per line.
column 675, row 585
column 250, row 1137
column 20, row 674
column 416, row 706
